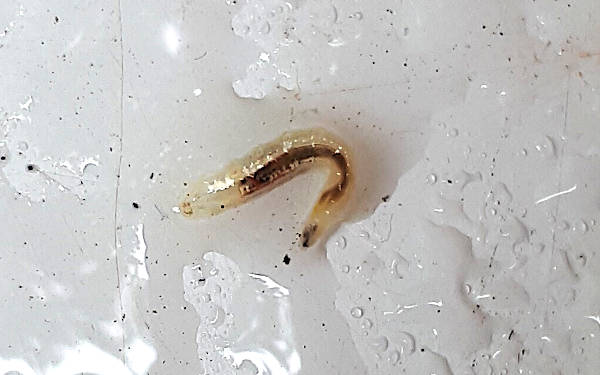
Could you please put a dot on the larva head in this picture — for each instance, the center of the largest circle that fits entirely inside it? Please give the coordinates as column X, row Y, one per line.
column 206, row 200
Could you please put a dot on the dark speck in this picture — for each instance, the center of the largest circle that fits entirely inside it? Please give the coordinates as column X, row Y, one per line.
column 31, row 167
column 286, row 259
column 222, row 206
column 385, row 198
column 135, row 205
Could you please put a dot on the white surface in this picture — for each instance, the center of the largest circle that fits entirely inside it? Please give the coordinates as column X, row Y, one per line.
column 500, row 98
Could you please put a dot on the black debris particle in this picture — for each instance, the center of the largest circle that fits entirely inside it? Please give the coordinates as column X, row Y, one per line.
column 385, row 198
column 151, row 175
column 286, row 259
column 31, row 167
column 135, row 205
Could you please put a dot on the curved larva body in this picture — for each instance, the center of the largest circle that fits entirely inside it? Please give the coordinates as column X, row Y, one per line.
column 271, row 164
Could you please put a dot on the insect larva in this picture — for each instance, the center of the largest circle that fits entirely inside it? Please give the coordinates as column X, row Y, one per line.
column 271, row 164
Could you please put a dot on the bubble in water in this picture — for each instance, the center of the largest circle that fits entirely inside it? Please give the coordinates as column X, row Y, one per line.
column 345, row 268
column 197, row 92
column 364, row 234
column 356, row 312
column 524, row 152
column 452, row 132
column 431, row 179
column 379, row 344
column 366, row 323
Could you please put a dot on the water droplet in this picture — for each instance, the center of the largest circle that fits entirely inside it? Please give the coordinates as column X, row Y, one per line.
column 393, row 357
column 379, row 344
column 213, row 271
column 336, row 42
column 493, row 211
column 524, row 152
column 545, row 147
column 468, row 289
column 266, row 28
column 467, row 150
column 452, row 132
column 399, row 266
column 366, row 323
column 341, row 243
column 431, row 179
column 364, row 234
column 592, row 222
column 217, row 317
column 356, row 312
column 205, row 297
column 483, row 155
column 406, row 341
column 197, row 92
column 581, row 226
column 345, row 268
column 357, row 16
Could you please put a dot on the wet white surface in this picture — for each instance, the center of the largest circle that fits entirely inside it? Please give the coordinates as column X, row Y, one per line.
column 475, row 131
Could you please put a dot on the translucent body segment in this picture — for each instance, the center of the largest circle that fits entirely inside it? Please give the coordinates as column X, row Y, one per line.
column 272, row 164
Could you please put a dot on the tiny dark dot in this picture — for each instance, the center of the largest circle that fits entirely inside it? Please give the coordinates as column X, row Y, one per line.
column 286, row 259
column 385, row 198
column 30, row 167
column 2, row 157
column 151, row 175
column 222, row 206
column 422, row 350
column 135, row 205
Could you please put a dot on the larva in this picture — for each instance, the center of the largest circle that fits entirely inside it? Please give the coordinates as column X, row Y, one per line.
column 271, row 164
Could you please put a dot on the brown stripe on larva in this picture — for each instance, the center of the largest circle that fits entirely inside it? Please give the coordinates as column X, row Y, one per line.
column 286, row 163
